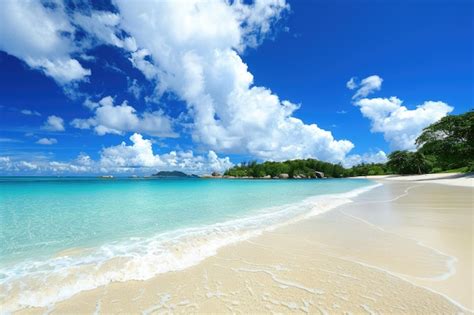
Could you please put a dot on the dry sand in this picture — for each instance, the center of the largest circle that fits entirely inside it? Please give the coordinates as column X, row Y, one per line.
column 404, row 247
column 453, row 179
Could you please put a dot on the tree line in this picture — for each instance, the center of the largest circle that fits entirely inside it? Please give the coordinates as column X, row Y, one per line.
column 294, row 168
column 447, row 145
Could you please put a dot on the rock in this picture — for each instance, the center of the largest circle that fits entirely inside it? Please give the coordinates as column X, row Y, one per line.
column 284, row 176
column 297, row 177
column 216, row 174
column 319, row 174
column 267, row 177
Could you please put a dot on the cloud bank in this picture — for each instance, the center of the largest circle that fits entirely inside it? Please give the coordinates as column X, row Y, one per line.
column 137, row 157
column 399, row 125
column 43, row 37
column 367, row 158
column 193, row 51
column 119, row 119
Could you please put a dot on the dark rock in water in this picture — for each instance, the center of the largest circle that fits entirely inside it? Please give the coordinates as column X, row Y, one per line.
column 174, row 174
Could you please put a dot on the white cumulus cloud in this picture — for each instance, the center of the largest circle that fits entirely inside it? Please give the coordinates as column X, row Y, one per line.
column 193, row 50
column 371, row 157
column 365, row 87
column 41, row 36
column 137, row 157
column 189, row 48
column 53, row 123
column 47, row 141
column 117, row 119
column 140, row 154
column 400, row 125
column 351, row 84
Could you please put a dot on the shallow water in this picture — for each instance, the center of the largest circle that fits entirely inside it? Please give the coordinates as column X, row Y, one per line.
column 80, row 233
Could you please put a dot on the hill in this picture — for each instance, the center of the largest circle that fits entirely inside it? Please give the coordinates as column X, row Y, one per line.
column 173, row 174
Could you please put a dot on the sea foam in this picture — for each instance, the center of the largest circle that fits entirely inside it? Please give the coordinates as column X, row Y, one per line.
column 44, row 282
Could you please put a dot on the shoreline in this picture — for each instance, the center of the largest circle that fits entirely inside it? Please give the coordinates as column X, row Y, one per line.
column 335, row 252
column 451, row 179
column 195, row 242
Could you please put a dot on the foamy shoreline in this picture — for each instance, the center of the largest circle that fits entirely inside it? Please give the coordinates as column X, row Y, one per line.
column 167, row 252
column 305, row 266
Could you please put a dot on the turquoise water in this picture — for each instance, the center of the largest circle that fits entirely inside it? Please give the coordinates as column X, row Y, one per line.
column 139, row 220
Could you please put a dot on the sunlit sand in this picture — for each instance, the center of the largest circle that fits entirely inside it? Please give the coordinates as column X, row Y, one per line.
column 403, row 247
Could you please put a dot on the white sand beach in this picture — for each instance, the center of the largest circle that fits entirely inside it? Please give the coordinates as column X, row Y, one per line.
column 404, row 247
column 454, row 179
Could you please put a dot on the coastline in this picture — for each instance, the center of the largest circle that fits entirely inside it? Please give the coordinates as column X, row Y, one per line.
column 167, row 252
column 411, row 255
column 452, row 179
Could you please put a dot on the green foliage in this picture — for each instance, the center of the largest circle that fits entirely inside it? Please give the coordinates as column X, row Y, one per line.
column 367, row 170
column 443, row 146
column 464, row 169
column 447, row 145
column 302, row 168
column 405, row 162
column 450, row 141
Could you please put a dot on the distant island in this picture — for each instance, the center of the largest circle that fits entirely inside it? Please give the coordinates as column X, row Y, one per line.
column 173, row 174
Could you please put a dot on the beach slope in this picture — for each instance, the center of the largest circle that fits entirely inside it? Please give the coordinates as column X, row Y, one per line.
column 403, row 247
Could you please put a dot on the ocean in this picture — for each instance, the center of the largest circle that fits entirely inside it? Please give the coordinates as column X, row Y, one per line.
column 79, row 233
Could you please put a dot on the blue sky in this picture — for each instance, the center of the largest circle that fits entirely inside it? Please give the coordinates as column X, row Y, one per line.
column 199, row 86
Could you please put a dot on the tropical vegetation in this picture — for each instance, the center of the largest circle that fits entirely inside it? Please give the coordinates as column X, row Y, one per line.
column 447, row 145
column 294, row 168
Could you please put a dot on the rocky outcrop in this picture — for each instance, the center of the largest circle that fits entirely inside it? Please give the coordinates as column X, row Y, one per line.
column 284, row 176
column 319, row 174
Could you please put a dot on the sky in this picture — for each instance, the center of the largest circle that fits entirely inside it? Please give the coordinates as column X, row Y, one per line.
column 133, row 87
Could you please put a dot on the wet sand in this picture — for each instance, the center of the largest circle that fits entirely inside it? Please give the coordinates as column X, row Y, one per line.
column 404, row 247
